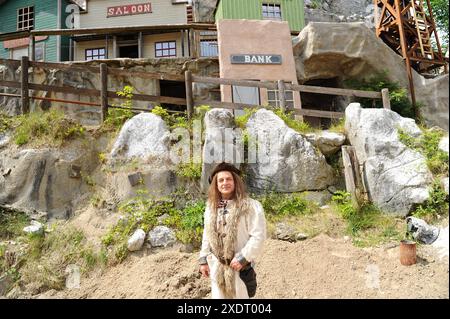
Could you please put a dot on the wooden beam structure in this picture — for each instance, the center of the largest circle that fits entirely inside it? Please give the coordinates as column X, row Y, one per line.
column 408, row 28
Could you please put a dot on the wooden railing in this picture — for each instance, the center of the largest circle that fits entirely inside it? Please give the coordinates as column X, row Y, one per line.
column 104, row 95
column 281, row 86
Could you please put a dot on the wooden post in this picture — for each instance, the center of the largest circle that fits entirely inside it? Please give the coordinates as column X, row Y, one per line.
column 24, row 86
column 33, row 48
column 104, row 90
column 189, row 94
column 282, row 95
column 140, row 45
column 386, row 99
column 352, row 176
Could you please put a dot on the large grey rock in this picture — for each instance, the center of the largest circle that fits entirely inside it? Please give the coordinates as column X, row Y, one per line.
column 396, row 177
column 285, row 160
column 40, row 180
column 223, row 142
column 352, row 51
column 143, row 136
column 4, row 140
column 136, row 241
column 204, row 10
column 327, row 142
column 161, row 236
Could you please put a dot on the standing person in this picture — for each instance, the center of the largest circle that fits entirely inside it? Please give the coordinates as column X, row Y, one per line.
column 233, row 236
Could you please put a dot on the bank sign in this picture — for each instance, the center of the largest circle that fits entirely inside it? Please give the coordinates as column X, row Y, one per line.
column 255, row 59
column 129, row 9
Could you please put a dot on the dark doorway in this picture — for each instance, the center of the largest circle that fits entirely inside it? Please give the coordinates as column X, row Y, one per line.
column 322, row 102
column 129, row 51
column 173, row 89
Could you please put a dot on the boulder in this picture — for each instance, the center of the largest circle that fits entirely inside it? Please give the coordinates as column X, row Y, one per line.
column 327, row 142
column 161, row 236
column 326, row 50
column 41, row 179
column 288, row 233
column 285, row 161
column 4, row 140
column 141, row 137
column 36, row 228
column 396, row 177
column 136, row 241
column 223, row 142
column 204, row 10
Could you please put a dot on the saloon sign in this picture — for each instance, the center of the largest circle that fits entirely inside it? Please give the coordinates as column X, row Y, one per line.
column 129, row 9
column 255, row 59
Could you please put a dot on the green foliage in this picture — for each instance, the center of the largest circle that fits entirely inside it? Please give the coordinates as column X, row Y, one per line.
column 188, row 222
column 338, row 126
column 428, row 145
column 278, row 206
column 440, row 13
column 242, row 120
column 436, row 205
column 398, row 95
column 139, row 212
column 367, row 224
column 5, row 123
column 48, row 256
column 296, row 125
column 189, row 170
column 12, row 224
column 46, row 128
column 118, row 116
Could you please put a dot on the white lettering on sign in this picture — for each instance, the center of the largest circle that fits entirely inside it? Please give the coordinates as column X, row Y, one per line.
column 255, row 59
column 129, row 9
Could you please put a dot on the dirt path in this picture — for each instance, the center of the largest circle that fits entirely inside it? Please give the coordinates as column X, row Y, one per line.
column 321, row 267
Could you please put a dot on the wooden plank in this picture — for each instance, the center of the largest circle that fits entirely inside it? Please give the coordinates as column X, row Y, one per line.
column 10, row 95
column 333, row 91
column 147, row 75
column 282, row 95
column 24, row 85
column 63, row 89
column 319, row 113
column 63, row 101
column 15, row 63
column 64, row 66
column 202, row 79
column 349, row 175
column 116, row 30
column 386, row 99
column 104, row 90
column 189, row 94
column 11, row 84
column 226, row 105
column 33, row 48
column 151, row 98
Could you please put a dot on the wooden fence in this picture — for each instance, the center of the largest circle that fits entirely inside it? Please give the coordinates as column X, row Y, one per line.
column 104, row 94
column 281, row 86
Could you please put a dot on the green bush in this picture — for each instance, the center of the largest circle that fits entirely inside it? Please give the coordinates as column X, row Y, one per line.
column 436, row 205
column 12, row 224
column 399, row 96
column 428, row 145
column 278, row 206
column 188, row 222
column 189, row 170
column 49, row 127
column 118, row 116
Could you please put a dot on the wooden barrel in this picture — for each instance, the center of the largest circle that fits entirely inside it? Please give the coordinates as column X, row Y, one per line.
column 407, row 252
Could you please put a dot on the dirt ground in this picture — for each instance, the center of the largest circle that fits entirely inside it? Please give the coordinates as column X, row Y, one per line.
column 320, row 267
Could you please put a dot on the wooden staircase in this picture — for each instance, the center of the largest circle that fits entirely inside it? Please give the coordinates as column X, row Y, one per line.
column 423, row 30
